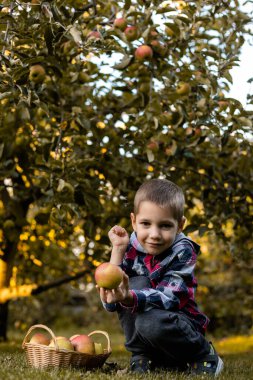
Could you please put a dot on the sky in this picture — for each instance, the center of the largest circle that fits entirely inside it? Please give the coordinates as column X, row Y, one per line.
column 244, row 71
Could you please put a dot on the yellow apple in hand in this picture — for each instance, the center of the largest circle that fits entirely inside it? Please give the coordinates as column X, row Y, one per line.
column 63, row 343
column 83, row 343
column 40, row 338
column 108, row 276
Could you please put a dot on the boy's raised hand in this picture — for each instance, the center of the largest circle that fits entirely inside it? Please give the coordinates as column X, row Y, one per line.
column 118, row 236
column 120, row 294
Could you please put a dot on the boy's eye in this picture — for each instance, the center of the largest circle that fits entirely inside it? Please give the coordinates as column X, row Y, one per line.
column 166, row 226
column 145, row 223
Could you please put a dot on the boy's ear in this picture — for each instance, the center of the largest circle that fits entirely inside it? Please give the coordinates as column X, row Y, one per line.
column 133, row 220
column 181, row 224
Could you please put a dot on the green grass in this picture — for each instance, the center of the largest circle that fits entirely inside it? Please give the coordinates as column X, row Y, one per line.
column 13, row 364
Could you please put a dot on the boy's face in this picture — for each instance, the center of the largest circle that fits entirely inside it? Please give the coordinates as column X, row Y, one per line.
column 155, row 227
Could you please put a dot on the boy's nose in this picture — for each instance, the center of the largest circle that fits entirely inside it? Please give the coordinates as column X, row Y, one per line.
column 155, row 233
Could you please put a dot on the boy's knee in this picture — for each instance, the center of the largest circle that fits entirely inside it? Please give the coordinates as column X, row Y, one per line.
column 147, row 324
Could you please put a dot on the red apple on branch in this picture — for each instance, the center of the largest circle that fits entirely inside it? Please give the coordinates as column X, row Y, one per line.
column 131, row 33
column 94, row 35
column 143, row 53
column 120, row 23
column 108, row 275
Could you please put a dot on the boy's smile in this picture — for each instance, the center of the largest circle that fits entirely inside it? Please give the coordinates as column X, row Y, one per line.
column 155, row 227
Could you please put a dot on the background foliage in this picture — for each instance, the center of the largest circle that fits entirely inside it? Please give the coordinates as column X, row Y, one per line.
column 80, row 137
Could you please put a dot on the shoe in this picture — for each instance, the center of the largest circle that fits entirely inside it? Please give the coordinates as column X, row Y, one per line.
column 140, row 364
column 211, row 364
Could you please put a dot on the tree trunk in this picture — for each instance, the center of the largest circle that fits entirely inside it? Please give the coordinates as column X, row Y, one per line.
column 4, row 307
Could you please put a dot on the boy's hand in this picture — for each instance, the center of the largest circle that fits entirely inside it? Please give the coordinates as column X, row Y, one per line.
column 120, row 294
column 118, row 237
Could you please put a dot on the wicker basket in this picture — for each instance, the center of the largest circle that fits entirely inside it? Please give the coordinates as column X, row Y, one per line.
column 41, row 356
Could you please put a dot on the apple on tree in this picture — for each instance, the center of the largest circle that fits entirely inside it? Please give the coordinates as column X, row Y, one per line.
column 108, row 275
column 143, row 53
column 120, row 23
column 131, row 33
column 37, row 74
column 159, row 47
column 94, row 35
column 183, row 88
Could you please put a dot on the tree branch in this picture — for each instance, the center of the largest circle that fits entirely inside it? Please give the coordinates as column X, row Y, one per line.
column 60, row 281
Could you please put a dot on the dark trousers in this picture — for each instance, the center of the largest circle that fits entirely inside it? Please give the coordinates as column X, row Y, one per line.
column 169, row 339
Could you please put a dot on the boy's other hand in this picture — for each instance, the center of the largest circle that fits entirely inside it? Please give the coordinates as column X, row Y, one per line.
column 118, row 236
column 120, row 294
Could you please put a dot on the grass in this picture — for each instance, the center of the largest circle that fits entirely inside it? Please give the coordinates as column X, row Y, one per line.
column 238, row 364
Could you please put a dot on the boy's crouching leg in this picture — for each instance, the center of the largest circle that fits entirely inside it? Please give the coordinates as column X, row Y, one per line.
column 171, row 336
column 127, row 320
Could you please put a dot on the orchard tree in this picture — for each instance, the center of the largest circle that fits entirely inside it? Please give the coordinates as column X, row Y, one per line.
column 96, row 97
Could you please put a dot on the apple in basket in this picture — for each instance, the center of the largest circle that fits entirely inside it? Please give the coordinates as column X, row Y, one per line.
column 62, row 342
column 98, row 348
column 40, row 338
column 83, row 343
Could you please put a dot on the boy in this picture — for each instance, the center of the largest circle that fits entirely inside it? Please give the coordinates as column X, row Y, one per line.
column 155, row 301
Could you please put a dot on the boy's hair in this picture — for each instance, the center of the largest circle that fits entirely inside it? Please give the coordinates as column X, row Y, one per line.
column 163, row 193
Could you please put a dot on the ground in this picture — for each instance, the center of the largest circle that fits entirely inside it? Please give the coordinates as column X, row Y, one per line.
column 237, row 353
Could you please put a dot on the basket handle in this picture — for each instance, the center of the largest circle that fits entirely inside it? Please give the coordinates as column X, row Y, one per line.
column 106, row 335
column 40, row 327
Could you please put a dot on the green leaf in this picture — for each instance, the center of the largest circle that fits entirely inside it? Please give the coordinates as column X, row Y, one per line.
column 124, row 63
column 165, row 10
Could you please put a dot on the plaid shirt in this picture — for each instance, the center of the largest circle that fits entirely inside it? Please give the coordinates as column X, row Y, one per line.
column 171, row 275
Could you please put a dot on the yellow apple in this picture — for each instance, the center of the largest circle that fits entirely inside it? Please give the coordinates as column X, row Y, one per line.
column 183, row 88
column 37, row 74
column 63, row 343
column 98, row 348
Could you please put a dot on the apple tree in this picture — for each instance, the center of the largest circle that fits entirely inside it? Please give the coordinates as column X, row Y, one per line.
column 98, row 96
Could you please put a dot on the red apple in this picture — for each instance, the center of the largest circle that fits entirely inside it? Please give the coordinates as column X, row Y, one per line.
column 131, row 33
column 120, row 23
column 143, row 52
column 153, row 146
column 83, row 343
column 40, row 338
column 159, row 47
column 95, row 35
column 223, row 104
column 153, row 34
column 108, row 275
